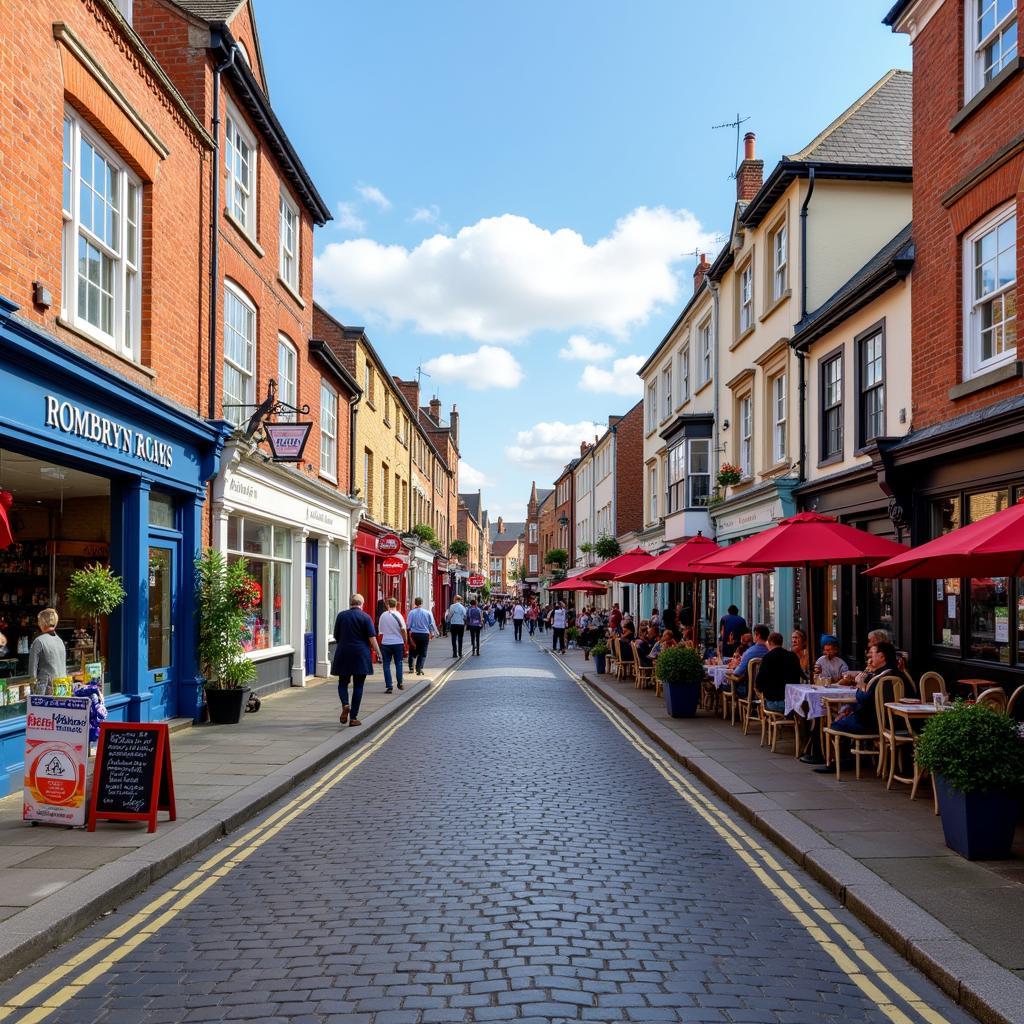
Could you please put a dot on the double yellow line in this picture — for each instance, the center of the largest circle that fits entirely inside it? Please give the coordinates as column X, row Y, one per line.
column 102, row 954
column 845, row 949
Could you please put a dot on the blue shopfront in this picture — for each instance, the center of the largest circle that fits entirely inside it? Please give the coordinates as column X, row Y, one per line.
column 99, row 471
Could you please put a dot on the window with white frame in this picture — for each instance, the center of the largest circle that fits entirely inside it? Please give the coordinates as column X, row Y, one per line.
column 746, row 435
column 704, row 347
column 832, row 407
column 746, row 297
column 698, row 478
column 780, row 261
column 872, row 387
column 652, row 405
column 267, row 550
column 533, row 565
column 328, row 430
column 289, row 255
column 533, row 533
column 778, row 411
column 287, row 390
column 239, row 354
column 990, row 293
column 991, row 41
column 240, row 163
column 335, row 580
column 102, row 241
column 666, row 388
column 676, row 478
column 684, row 375
column 652, row 481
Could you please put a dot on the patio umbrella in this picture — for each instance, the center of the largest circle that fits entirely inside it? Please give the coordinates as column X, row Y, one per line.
column 615, row 567
column 809, row 540
column 576, row 584
column 993, row 546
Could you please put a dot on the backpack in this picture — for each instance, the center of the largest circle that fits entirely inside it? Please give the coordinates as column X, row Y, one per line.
column 474, row 617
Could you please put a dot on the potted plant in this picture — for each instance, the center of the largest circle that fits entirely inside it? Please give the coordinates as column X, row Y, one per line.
column 225, row 595
column 728, row 474
column 572, row 634
column 95, row 591
column 600, row 653
column 976, row 757
column 681, row 672
column 458, row 549
column 606, row 547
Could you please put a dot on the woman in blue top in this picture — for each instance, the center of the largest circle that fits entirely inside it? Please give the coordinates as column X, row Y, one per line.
column 354, row 638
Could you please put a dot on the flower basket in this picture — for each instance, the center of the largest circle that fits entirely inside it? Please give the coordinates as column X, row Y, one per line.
column 729, row 474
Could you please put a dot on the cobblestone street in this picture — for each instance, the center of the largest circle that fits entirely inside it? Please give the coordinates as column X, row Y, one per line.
column 506, row 854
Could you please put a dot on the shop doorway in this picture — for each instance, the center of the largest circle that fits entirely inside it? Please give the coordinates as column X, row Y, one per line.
column 163, row 597
column 309, row 638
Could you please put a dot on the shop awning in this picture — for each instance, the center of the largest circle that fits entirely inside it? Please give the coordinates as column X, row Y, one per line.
column 677, row 564
column 615, row 567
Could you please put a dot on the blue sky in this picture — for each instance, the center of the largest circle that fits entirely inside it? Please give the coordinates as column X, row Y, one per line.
column 506, row 177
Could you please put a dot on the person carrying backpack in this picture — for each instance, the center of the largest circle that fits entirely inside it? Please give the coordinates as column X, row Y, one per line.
column 475, row 622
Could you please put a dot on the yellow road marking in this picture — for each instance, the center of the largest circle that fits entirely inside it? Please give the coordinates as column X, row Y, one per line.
column 142, row 925
column 779, row 881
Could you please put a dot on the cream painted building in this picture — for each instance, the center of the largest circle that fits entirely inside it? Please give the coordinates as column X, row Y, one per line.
column 796, row 238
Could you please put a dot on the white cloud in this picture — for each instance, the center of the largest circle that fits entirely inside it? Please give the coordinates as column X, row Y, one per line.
column 504, row 277
column 551, row 444
column 487, row 367
column 426, row 214
column 347, row 219
column 579, row 347
column 471, row 479
column 621, row 379
column 372, row 194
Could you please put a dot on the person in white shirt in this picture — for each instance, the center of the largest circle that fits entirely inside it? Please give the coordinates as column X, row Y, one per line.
column 421, row 629
column 393, row 638
column 518, row 614
column 558, row 620
column 830, row 667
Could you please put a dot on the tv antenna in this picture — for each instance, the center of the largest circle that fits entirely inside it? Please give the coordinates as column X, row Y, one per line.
column 734, row 124
column 420, row 374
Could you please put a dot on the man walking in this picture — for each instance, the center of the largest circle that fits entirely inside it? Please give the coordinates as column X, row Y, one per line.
column 532, row 614
column 500, row 613
column 558, row 628
column 354, row 639
column 518, row 614
column 475, row 622
column 393, row 638
column 421, row 629
column 456, row 619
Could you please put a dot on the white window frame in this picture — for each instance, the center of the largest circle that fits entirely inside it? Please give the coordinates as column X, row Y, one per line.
column 652, row 480
column 652, row 405
column 235, row 131
column 746, row 432
column 287, row 377
column 745, row 296
column 248, row 373
column 692, row 444
column 779, row 405
column 974, row 364
column 976, row 75
column 704, row 335
column 328, row 431
column 666, row 386
column 289, row 243
column 780, row 261
column 684, row 375
column 125, row 285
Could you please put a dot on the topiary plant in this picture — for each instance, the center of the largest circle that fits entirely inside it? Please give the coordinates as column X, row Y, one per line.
column 680, row 665
column 95, row 591
column 606, row 547
column 458, row 548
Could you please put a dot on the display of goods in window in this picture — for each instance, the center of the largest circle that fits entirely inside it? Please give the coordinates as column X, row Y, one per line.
column 389, row 544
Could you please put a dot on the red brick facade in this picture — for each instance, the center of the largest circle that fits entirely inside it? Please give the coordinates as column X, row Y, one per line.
column 629, row 471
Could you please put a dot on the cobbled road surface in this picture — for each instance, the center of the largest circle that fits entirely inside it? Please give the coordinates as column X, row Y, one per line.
column 507, row 855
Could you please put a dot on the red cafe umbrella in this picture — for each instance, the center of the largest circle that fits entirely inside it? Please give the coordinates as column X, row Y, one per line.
column 810, row 540
column 615, row 567
column 993, row 546
column 576, row 584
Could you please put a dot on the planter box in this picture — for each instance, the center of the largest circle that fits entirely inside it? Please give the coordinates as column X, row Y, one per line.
column 681, row 699
column 978, row 826
column 226, row 706
column 599, row 661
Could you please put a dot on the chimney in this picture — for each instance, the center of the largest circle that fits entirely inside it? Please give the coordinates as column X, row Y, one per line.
column 435, row 410
column 700, row 271
column 501, row 525
column 454, row 421
column 750, row 172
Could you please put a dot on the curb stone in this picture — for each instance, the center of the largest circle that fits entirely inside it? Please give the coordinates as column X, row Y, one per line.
column 982, row 987
column 27, row 935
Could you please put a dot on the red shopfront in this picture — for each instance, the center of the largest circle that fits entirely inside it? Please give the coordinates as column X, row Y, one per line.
column 442, row 589
column 373, row 583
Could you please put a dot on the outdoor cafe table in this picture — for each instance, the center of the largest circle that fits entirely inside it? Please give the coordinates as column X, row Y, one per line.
column 976, row 685
column 717, row 674
column 806, row 700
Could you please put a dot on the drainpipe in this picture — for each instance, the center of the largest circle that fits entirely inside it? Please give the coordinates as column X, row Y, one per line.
column 713, row 287
column 215, row 227
column 801, row 356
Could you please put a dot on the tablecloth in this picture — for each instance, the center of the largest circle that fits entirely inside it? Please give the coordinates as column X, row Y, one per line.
column 806, row 700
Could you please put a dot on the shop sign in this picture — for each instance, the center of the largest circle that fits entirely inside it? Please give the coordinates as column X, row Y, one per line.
column 394, row 566
column 56, row 751
column 73, row 419
column 287, row 440
column 476, row 581
column 749, row 520
column 389, row 544
column 242, row 492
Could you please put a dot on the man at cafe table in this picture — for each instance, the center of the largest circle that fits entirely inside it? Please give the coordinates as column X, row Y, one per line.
column 830, row 668
column 758, row 649
column 779, row 668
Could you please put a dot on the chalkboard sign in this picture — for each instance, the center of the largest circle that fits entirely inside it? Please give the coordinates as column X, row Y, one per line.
column 132, row 778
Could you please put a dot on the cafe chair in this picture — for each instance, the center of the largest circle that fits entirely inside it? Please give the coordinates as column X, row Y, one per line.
column 930, row 684
column 728, row 697
column 644, row 673
column 772, row 722
column 1015, row 705
column 888, row 688
column 612, row 659
column 902, row 737
column 750, row 705
column 995, row 698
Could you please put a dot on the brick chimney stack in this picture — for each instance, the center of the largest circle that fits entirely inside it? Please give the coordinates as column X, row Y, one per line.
column 750, row 173
column 435, row 410
column 700, row 271
column 501, row 525
column 453, row 419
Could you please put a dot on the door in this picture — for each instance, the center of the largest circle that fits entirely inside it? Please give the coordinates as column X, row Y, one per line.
column 309, row 638
column 163, row 595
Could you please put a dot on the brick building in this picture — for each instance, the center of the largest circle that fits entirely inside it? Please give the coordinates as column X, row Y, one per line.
column 961, row 460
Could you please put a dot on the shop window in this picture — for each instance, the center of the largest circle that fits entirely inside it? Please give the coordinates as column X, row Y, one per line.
column 240, row 164
column 946, row 517
column 268, row 552
column 161, row 511
column 239, row 355
column 990, row 293
column 335, row 569
column 161, row 620
column 328, row 431
column 289, row 243
column 287, row 376
column 102, row 245
column 991, row 27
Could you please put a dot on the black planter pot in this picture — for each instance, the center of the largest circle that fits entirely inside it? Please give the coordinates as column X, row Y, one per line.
column 978, row 826
column 681, row 699
column 225, row 706
column 599, row 663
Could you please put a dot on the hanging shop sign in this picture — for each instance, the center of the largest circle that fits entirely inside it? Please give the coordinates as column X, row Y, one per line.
column 394, row 566
column 56, row 752
column 287, row 440
column 389, row 544
column 476, row 581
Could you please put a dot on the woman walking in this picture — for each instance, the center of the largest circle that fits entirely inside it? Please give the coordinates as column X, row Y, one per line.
column 392, row 637
column 354, row 638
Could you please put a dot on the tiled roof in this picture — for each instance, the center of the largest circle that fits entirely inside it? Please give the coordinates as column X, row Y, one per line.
column 502, row 547
column 543, row 495
column 512, row 530
column 211, row 10
column 874, row 130
column 472, row 502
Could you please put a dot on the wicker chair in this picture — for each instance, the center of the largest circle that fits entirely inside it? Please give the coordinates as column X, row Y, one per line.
column 902, row 735
column 888, row 688
column 773, row 722
column 644, row 674
column 995, row 698
column 931, row 683
column 1015, row 705
column 750, row 705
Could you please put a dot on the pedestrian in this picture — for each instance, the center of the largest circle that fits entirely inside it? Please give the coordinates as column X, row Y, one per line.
column 532, row 614
column 558, row 619
column 354, row 639
column 421, row 628
column 615, row 619
column 47, row 657
column 731, row 627
column 518, row 614
column 456, row 619
column 475, row 622
column 542, row 617
column 392, row 637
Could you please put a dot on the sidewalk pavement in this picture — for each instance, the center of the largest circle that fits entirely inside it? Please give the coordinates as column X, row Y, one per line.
column 882, row 855
column 55, row 881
